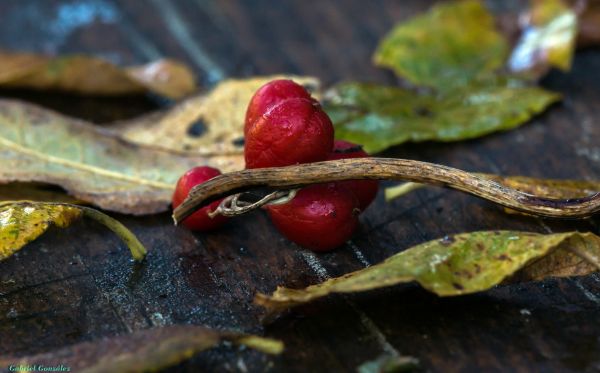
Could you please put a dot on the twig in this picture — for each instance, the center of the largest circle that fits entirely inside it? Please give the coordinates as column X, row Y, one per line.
column 384, row 169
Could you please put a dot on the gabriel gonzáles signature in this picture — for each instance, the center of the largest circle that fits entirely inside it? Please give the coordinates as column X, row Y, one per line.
column 38, row 368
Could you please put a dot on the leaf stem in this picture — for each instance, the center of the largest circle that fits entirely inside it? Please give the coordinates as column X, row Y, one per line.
column 384, row 169
column 138, row 251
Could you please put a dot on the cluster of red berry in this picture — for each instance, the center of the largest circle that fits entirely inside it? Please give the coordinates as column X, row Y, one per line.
column 284, row 126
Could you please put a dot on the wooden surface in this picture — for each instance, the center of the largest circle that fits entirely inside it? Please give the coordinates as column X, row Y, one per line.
column 79, row 284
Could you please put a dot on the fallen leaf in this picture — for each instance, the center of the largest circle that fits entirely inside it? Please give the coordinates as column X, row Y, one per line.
column 381, row 116
column 211, row 123
column 461, row 264
column 91, row 164
column 550, row 188
column 23, row 221
column 94, row 76
column 547, row 39
column 449, row 46
column 141, row 351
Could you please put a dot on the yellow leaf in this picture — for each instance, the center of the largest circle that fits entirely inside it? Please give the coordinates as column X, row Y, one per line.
column 23, row 221
column 211, row 123
column 461, row 264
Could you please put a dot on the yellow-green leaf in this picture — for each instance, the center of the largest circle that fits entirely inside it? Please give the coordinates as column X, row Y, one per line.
column 549, row 188
column 462, row 264
column 95, row 166
column 449, row 46
column 379, row 116
column 548, row 39
column 23, row 221
column 211, row 123
column 141, row 351
column 94, row 76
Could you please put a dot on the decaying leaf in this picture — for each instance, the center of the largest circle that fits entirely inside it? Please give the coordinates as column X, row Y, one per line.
column 94, row 76
column 211, row 123
column 378, row 116
column 547, row 40
column 449, row 46
column 550, row 188
column 142, row 351
column 91, row 164
column 461, row 264
column 22, row 222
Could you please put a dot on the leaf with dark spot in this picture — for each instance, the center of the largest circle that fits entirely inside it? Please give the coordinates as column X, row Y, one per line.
column 91, row 164
column 461, row 267
column 142, row 351
column 221, row 112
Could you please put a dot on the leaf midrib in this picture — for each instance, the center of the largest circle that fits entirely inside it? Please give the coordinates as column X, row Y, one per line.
column 82, row 166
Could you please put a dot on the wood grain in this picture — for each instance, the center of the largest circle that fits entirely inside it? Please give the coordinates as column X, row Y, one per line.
column 78, row 284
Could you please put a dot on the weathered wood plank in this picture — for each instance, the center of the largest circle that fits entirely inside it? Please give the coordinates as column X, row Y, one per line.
column 78, row 284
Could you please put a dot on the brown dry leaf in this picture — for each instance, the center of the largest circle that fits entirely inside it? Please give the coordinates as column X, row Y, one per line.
column 142, row 351
column 549, row 188
column 94, row 76
column 211, row 123
column 461, row 264
column 95, row 166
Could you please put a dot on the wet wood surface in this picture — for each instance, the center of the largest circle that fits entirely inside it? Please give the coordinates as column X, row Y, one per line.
column 79, row 284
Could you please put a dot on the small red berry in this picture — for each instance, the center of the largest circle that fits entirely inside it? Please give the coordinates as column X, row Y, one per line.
column 365, row 190
column 294, row 131
column 269, row 95
column 321, row 217
column 199, row 220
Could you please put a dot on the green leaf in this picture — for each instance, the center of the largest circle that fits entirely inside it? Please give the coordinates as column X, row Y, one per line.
column 142, row 351
column 548, row 39
column 462, row 264
column 91, row 164
column 449, row 46
column 23, row 221
column 378, row 116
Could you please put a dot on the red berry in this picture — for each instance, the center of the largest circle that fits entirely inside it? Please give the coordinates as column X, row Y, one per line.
column 321, row 217
column 294, row 131
column 269, row 95
column 365, row 190
column 199, row 220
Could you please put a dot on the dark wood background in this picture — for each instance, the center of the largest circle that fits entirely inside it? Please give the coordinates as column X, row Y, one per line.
column 79, row 284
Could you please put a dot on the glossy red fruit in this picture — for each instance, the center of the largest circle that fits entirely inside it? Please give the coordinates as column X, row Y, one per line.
column 199, row 220
column 269, row 95
column 294, row 131
column 321, row 217
column 365, row 190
